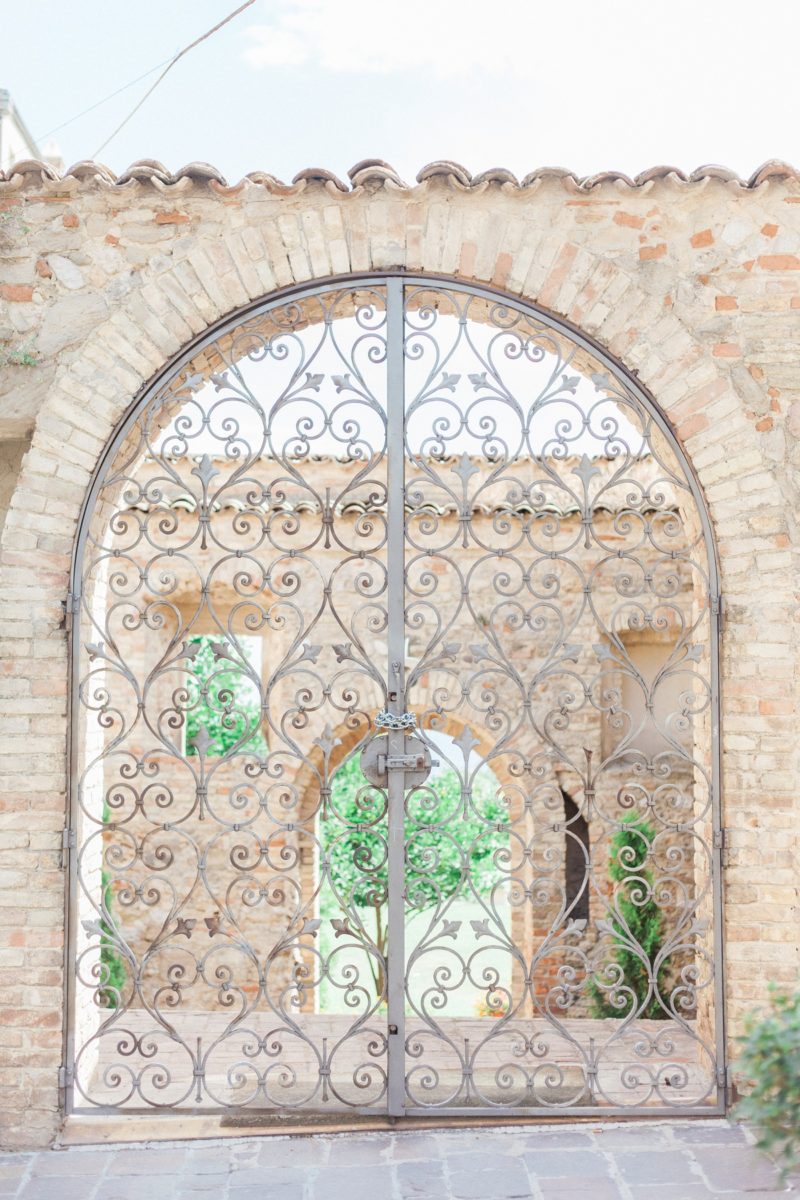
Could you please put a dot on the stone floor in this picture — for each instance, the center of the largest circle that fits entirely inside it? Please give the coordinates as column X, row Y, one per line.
column 655, row 1161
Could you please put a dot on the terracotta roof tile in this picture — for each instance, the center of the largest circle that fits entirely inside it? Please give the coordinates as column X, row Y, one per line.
column 374, row 171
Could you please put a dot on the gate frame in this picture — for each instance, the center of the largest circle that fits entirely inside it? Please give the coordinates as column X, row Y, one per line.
column 619, row 371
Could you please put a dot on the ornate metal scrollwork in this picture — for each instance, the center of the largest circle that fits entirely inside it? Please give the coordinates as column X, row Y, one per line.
column 396, row 494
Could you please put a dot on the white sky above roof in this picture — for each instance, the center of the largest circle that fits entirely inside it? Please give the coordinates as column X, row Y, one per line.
column 296, row 83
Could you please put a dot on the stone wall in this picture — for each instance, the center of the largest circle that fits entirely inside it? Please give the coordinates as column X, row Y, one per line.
column 693, row 285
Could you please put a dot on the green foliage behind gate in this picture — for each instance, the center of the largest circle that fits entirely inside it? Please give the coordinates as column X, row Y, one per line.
column 461, row 846
column 638, row 929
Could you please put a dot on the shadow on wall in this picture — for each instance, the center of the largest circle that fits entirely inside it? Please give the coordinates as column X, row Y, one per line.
column 12, row 452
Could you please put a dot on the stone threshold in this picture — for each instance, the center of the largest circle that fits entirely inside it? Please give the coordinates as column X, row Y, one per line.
column 105, row 1129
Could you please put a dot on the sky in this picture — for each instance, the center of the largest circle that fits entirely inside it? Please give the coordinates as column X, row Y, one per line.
column 617, row 84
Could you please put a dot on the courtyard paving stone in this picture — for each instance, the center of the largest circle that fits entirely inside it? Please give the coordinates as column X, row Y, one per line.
column 735, row 1167
column 293, row 1152
column 671, row 1160
column 656, row 1166
column 422, row 1179
column 568, row 1189
column 88, row 1162
column 563, row 1164
column 129, row 1187
column 209, row 1183
column 358, row 1182
column 50, row 1188
column 414, row 1146
column 166, row 1162
column 672, row 1191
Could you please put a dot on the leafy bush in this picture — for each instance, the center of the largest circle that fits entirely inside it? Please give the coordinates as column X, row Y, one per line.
column 114, row 976
column 771, row 1061
column 229, row 704
column 639, row 934
column 443, row 847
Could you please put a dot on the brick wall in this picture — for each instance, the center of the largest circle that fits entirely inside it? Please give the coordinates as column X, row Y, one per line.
column 694, row 286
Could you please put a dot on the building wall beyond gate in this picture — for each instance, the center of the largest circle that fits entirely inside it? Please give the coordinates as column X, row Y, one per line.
column 693, row 285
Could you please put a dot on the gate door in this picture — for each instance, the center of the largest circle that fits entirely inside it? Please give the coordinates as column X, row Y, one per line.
column 394, row 781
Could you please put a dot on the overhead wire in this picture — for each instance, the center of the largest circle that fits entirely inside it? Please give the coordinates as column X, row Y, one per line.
column 110, row 96
column 169, row 67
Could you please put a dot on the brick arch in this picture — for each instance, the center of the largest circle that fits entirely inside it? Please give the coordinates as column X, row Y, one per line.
column 158, row 316
column 615, row 305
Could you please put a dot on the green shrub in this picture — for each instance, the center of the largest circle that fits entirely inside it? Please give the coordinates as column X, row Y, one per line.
column 770, row 1059
column 228, row 705
column 114, row 975
column 638, row 930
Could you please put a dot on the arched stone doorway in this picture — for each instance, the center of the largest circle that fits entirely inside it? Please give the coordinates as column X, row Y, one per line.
column 425, row 500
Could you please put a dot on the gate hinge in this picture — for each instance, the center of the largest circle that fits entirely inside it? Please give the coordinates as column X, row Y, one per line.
column 69, row 840
column 721, row 843
column 66, row 1077
column 69, row 608
column 725, row 1083
column 717, row 606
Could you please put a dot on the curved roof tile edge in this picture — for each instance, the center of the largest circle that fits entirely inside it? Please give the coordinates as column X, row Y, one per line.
column 375, row 172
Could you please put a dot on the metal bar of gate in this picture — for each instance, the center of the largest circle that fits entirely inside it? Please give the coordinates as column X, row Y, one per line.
column 395, row 503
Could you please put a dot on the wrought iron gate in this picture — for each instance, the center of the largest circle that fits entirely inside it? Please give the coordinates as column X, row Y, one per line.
column 394, row 760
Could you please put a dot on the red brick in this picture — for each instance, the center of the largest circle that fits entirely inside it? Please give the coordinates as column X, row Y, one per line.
column 502, row 267
column 727, row 350
column 704, row 238
column 559, row 272
column 628, row 219
column 647, row 253
column 20, row 293
column 171, row 218
column 692, row 425
column 466, row 262
column 724, row 303
column 779, row 262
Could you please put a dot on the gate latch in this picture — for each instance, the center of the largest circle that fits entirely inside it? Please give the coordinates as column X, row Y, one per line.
column 415, row 763
column 405, row 762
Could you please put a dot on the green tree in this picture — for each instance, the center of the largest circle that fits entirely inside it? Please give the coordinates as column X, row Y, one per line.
column 448, row 850
column 638, row 930
column 228, row 705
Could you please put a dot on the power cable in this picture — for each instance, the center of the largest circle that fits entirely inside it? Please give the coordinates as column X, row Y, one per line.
column 92, row 107
column 169, row 67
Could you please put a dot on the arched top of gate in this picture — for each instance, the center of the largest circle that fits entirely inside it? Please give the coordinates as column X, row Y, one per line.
column 428, row 297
